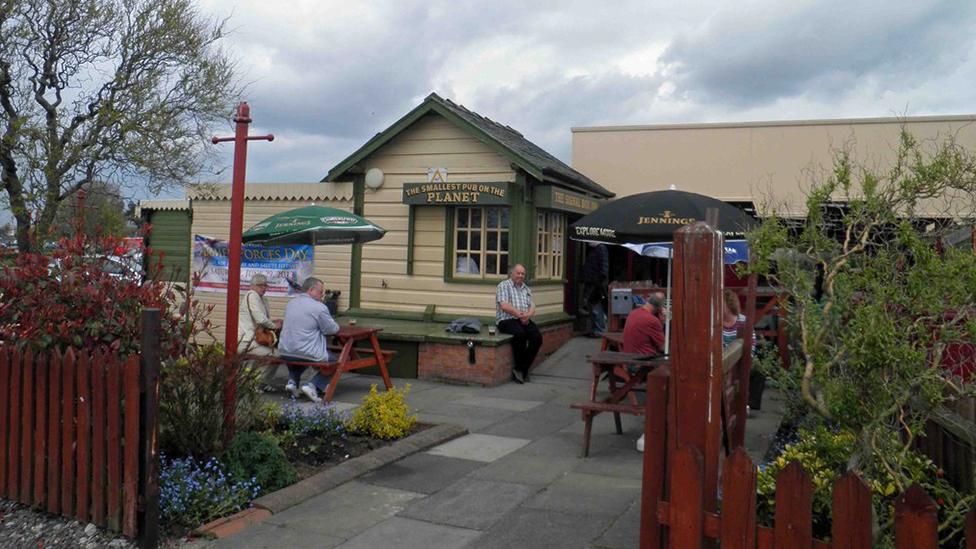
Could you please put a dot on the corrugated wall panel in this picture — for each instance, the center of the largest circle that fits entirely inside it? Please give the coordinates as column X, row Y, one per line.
column 170, row 235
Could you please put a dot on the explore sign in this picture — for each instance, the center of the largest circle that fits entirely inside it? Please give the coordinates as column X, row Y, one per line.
column 450, row 194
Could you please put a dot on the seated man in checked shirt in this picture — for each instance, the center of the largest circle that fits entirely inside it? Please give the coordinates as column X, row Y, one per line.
column 513, row 315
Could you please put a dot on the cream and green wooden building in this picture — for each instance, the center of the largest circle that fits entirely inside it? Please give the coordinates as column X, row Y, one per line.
column 462, row 198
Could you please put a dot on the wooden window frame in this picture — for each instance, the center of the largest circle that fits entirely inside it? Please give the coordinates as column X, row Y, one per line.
column 550, row 262
column 452, row 252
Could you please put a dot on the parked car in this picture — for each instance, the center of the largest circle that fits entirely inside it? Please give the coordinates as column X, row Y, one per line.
column 120, row 267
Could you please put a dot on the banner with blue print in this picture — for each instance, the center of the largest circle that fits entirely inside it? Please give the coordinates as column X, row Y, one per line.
column 286, row 266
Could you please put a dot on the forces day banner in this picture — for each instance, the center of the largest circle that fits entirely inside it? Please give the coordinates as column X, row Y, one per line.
column 285, row 266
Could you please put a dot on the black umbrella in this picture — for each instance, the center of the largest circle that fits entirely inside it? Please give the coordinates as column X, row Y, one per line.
column 655, row 216
column 652, row 218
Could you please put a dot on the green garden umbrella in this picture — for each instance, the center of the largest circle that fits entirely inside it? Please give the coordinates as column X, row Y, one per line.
column 314, row 225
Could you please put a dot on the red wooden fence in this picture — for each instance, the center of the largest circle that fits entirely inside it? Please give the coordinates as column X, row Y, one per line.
column 689, row 524
column 69, row 434
column 680, row 501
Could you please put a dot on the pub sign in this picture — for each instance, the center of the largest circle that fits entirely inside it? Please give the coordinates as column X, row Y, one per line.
column 455, row 194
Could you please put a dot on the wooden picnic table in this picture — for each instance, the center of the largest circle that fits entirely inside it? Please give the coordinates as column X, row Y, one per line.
column 351, row 357
column 625, row 374
column 611, row 341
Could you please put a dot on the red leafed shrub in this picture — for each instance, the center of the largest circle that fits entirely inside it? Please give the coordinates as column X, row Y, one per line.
column 69, row 298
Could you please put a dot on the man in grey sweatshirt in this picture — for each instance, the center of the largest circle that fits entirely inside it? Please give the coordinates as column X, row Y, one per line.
column 305, row 337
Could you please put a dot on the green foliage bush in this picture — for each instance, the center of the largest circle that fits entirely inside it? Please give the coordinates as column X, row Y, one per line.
column 257, row 456
column 875, row 298
column 826, row 453
column 383, row 415
column 191, row 402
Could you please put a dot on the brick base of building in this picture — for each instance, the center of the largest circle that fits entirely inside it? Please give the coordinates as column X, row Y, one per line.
column 493, row 365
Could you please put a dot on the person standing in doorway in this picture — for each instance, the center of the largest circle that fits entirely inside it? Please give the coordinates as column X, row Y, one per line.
column 596, row 268
column 513, row 315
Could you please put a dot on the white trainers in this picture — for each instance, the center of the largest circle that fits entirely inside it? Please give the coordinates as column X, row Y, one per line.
column 292, row 388
column 311, row 393
column 640, row 444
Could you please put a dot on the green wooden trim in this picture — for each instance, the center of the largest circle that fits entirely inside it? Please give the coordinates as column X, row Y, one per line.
column 564, row 200
column 356, row 261
column 521, row 236
column 476, row 281
column 411, row 219
column 448, row 244
column 399, row 326
column 379, row 313
column 432, row 103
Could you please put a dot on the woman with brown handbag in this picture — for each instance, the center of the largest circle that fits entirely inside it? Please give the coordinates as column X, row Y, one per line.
column 256, row 330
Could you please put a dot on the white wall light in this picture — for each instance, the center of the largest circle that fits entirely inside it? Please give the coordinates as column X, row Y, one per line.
column 374, row 178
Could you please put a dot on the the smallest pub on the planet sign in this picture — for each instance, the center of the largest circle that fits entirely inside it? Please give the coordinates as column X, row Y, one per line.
column 443, row 194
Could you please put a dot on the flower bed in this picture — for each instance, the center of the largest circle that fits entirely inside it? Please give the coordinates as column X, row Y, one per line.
column 284, row 445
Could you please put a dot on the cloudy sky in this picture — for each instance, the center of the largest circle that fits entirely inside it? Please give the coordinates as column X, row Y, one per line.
column 324, row 76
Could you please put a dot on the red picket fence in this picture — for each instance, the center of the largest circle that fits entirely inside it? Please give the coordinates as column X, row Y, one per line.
column 70, row 435
column 689, row 524
column 685, row 470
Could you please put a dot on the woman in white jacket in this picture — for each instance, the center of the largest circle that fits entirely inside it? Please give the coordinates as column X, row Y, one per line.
column 255, row 311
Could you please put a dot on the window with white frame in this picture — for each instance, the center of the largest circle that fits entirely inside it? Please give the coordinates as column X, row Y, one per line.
column 550, row 244
column 481, row 242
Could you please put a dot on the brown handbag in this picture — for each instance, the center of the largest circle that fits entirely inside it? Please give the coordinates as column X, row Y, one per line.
column 264, row 336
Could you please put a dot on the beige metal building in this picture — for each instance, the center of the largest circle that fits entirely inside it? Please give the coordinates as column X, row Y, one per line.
column 758, row 162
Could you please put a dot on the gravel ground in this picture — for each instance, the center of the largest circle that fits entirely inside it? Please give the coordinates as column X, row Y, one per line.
column 21, row 527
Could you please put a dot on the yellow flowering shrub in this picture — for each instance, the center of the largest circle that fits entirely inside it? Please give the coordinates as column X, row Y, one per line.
column 383, row 415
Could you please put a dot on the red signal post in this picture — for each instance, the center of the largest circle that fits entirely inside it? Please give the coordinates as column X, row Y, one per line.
column 240, row 139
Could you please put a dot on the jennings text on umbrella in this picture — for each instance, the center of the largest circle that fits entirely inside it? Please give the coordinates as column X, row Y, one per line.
column 665, row 219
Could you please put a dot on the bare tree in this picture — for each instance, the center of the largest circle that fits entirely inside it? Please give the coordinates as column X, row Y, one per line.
column 110, row 90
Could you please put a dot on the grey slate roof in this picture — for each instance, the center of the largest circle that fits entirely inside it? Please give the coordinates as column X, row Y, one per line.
column 524, row 151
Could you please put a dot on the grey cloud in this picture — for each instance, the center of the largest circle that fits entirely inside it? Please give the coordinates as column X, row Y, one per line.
column 752, row 57
column 545, row 107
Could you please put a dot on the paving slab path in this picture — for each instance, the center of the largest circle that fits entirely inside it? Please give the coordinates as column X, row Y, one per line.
column 515, row 481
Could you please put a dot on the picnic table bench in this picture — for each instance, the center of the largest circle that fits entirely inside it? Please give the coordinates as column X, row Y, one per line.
column 350, row 357
column 625, row 374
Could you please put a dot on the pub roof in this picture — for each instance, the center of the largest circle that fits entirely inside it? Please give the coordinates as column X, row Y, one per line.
column 503, row 139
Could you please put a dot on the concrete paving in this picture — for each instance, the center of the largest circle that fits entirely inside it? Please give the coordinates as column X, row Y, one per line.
column 515, row 481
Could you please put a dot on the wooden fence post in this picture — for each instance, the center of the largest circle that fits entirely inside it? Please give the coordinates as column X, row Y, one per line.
column 696, row 361
column 4, row 406
column 916, row 520
column 655, row 460
column 851, row 513
column 54, row 433
column 738, row 501
column 13, row 440
column 149, row 432
column 794, row 508
column 687, row 518
column 27, row 429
